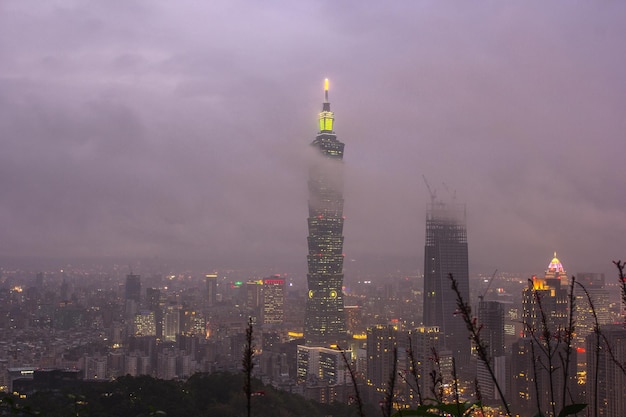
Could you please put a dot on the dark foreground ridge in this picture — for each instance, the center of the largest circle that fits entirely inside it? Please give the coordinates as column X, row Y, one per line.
column 217, row 394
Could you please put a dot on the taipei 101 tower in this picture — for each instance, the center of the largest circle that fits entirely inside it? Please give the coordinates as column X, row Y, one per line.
column 325, row 323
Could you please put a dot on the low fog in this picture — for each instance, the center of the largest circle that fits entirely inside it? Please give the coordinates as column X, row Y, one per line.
column 181, row 130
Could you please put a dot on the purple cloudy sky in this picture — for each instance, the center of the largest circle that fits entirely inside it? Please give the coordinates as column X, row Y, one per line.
column 179, row 129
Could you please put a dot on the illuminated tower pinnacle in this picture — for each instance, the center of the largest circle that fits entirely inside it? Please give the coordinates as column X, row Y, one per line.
column 326, row 117
column 325, row 323
column 326, row 90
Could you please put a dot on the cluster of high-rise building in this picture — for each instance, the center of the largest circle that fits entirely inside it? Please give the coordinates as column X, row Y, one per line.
column 529, row 371
column 308, row 340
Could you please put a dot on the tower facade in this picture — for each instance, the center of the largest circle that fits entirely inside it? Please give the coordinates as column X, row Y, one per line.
column 211, row 289
column 132, row 295
column 273, row 300
column 491, row 324
column 606, row 382
column 424, row 342
column 133, row 288
column 381, row 342
column 325, row 318
column 445, row 253
column 585, row 321
column 491, row 318
column 550, row 296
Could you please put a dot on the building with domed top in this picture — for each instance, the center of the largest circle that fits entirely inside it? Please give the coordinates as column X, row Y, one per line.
column 536, row 359
column 556, row 271
column 547, row 294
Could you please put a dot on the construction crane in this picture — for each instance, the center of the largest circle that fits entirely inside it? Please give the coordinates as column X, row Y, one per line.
column 481, row 297
column 451, row 193
column 433, row 193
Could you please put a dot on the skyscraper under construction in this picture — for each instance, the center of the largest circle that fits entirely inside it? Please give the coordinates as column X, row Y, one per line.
column 445, row 253
column 325, row 323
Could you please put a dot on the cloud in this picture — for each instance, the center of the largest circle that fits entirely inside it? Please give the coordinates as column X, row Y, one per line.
column 142, row 129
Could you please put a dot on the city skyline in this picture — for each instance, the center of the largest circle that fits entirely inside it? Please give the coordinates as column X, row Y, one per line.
column 176, row 138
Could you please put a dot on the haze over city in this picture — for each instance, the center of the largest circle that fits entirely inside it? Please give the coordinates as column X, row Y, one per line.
column 180, row 130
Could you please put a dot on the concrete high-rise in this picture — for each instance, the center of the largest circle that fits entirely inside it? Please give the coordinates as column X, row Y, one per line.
column 538, row 374
column 155, row 304
column 381, row 343
column 583, row 313
column 254, row 299
column 211, row 289
column 491, row 324
column 325, row 322
column 551, row 292
column 171, row 322
column 446, row 254
column 133, row 288
column 273, row 308
column 424, row 342
column 132, row 295
column 606, row 381
column 537, row 379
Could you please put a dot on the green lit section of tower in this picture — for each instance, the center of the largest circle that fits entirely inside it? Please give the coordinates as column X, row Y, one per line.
column 325, row 323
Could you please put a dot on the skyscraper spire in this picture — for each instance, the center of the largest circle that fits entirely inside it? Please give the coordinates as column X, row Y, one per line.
column 326, row 90
column 327, row 117
column 325, row 323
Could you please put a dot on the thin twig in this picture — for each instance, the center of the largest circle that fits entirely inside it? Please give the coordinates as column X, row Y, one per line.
column 359, row 401
column 596, row 331
column 535, row 376
column 569, row 332
column 455, row 383
column 614, row 358
column 547, row 347
column 248, row 365
column 436, row 377
column 621, row 266
column 474, row 330
column 387, row 406
column 413, row 371
column 479, row 397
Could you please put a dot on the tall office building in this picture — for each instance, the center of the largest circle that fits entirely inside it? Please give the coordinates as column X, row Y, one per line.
column 254, row 299
column 445, row 253
column 211, row 289
column 145, row 324
column 424, row 342
column 607, row 388
column 491, row 321
column 171, row 322
column 534, row 372
column 322, row 374
column 491, row 324
column 273, row 311
column 155, row 303
column 133, row 288
column 551, row 292
column 320, row 364
column 325, row 318
column 537, row 378
column 132, row 295
column 381, row 343
column 192, row 323
column 584, row 315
